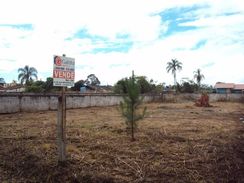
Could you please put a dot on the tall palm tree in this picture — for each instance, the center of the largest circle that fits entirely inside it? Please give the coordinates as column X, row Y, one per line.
column 173, row 66
column 198, row 76
column 27, row 74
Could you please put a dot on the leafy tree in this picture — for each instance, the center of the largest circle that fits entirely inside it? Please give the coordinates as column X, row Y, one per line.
column 144, row 85
column 130, row 104
column 207, row 88
column 186, row 86
column 92, row 80
column 48, row 85
column 173, row 66
column 198, row 76
column 37, row 86
column 42, row 86
column 121, row 86
column 27, row 74
column 189, row 86
column 78, row 85
column 160, row 87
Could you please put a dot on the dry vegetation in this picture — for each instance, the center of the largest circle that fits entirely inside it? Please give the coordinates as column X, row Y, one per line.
column 174, row 143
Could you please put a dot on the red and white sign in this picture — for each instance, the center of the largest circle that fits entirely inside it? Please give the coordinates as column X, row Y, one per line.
column 63, row 71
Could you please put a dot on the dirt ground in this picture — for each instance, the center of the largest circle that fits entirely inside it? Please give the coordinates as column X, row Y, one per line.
column 174, row 143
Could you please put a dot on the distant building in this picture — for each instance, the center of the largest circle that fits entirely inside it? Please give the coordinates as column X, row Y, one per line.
column 228, row 88
column 239, row 88
column 104, row 89
column 82, row 89
column 11, row 87
column 96, row 89
column 87, row 89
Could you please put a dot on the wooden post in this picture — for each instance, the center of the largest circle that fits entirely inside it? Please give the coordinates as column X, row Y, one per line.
column 61, row 126
column 64, row 115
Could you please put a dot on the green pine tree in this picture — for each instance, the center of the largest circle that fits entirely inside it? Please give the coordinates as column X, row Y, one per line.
column 130, row 104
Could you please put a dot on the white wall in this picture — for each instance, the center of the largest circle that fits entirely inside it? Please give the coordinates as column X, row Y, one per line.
column 27, row 102
column 23, row 102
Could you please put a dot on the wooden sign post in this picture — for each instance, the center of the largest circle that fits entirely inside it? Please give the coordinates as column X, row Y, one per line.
column 63, row 75
column 61, row 126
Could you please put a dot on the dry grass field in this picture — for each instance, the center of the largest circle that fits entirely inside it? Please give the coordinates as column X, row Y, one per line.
column 174, row 143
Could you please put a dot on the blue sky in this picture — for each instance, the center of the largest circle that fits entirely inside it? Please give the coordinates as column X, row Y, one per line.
column 111, row 38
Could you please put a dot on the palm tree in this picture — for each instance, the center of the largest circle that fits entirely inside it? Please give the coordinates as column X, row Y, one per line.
column 173, row 66
column 27, row 74
column 198, row 76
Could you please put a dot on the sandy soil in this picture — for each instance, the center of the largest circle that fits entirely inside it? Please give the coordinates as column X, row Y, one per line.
column 174, row 143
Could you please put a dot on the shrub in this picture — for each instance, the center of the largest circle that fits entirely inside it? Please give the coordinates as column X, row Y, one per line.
column 203, row 101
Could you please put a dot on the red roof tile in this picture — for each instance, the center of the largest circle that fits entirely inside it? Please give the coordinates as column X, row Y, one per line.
column 239, row 87
column 224, row 85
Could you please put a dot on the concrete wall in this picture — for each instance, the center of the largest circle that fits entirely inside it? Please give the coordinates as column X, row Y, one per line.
column 213, row 97
column 226, row 97
column 23, row 102
column 30, row 102
column 9, row 104
column 78, row 101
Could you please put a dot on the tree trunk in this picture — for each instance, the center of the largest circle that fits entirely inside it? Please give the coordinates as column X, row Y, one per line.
column 174, row 78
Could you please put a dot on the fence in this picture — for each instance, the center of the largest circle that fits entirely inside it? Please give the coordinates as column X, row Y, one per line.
column 31, row 102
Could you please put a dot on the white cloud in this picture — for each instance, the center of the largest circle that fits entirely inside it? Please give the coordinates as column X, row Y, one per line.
column 54, row 21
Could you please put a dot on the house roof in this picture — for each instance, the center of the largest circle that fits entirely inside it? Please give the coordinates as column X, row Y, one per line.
column 224, row 85
column 18, row 86
column 229, row 86
column 239, row 87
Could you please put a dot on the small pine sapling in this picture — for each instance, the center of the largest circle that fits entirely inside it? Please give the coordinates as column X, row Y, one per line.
column 130, row 104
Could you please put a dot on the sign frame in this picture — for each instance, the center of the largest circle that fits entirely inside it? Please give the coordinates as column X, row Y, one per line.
column 63, row 71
